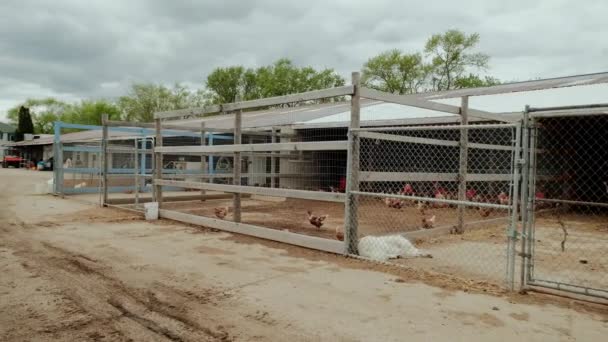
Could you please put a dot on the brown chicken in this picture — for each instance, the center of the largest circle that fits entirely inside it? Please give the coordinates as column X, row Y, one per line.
column 221, row 212
column 428, row 223
column 316, row 221
column 484, row 212
column 339, row 233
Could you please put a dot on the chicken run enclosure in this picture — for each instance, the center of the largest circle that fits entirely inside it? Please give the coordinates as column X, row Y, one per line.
column 515, row 200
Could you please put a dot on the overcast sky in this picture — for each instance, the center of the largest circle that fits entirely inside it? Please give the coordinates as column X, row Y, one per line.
column 73, row 49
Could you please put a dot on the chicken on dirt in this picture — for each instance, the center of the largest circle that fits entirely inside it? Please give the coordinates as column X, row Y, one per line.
column 316, row 221
column 221, row 212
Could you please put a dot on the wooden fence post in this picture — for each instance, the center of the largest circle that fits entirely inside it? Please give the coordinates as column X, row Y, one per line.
column 158, row 162
column 462, row 173
column 351, row 234
column 236, row 168
column 104, row 158
column 203, row 159
column 273, row 161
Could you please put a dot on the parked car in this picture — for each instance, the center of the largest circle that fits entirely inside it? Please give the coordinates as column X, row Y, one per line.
column 14, row 161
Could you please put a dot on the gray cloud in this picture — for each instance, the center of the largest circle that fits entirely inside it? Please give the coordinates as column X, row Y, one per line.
column 90, row 49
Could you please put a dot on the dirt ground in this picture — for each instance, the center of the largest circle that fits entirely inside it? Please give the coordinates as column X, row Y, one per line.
column 478, row 254
column 74, row 272
column 375, row 218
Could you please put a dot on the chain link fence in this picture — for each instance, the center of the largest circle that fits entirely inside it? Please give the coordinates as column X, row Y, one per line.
column 568, row 242
column 409, row 209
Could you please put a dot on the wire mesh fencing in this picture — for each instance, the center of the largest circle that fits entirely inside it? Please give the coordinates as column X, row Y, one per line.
column 273, row 177
column 568, row 218
column 76, row 159
column 129, row 163
column 422, row 202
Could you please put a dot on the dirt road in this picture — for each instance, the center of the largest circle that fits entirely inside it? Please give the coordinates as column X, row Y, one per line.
column 74, row 272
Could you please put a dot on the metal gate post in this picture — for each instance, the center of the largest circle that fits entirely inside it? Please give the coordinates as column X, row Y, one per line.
column 525, row 194
column 512, row 232
column 531, row 217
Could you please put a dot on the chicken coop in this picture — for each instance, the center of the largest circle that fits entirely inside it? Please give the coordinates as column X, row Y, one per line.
column 471, row 177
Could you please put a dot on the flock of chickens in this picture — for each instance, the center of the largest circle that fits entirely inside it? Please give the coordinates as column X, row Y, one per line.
column 315, row 220
column 427, row 220
column 439, row 193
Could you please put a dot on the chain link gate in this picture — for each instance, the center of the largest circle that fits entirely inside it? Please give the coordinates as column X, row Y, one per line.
column 566, row 209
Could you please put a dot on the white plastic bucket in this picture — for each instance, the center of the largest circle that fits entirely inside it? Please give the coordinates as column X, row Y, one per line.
column 151, row 210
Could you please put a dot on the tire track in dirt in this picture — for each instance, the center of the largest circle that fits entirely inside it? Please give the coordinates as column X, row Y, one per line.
column 96, row 293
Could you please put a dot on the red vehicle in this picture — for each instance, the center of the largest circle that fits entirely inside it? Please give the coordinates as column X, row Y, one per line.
column 14, row 161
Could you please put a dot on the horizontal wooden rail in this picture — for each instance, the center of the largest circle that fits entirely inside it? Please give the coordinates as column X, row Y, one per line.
column 367, row 176
column 427, row 141
column 256, row 190
column 150, row 125
column 307, row 96
column 432, row 200
column 188, row 112
column 300, row 146
column 177, row 175
column 312, row 242
column 422, row 103
column 453, row 127
column 270, row 101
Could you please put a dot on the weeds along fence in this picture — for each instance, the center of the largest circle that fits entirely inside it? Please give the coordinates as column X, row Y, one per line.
column 566, row 218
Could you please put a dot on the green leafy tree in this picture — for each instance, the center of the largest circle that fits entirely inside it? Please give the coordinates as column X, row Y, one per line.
column 452, row 57
column 24, row 123
column 43, row 113
column 475, row 81
column 280, row 78
column 395, row 72
column 90, row 112
column 227, row 83
column 145, row 99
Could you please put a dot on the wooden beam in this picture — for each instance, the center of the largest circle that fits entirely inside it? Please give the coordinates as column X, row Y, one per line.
column 312, row 242
column 295, row 146
column 273, row 160
column 368, row 176
column 558, row 82
column 351, row 214
column 427, row 141
column 463, row 162
column 104, row 158
column 151, row 125
column 413, row 101
column 230, row 175
column 307, row 96
column 203, row 158
column 173, row 198
column 158, row 162
column 188, row 112
column 256, row 190
column 236, row 166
